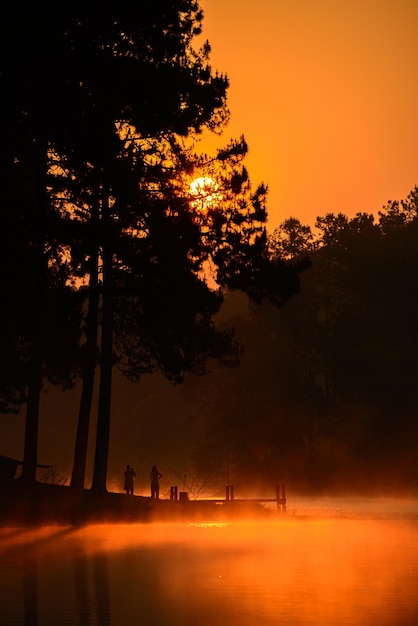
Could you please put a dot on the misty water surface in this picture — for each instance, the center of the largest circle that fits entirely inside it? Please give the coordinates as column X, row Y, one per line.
column 328, row 568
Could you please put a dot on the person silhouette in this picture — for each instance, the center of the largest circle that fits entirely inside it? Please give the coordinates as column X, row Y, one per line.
column 155, row 482
column 129, row 480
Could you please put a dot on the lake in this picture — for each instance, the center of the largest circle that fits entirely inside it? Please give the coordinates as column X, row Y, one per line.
column 339, row 563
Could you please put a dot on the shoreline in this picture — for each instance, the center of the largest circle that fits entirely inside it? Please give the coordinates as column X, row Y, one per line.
column 42, row 503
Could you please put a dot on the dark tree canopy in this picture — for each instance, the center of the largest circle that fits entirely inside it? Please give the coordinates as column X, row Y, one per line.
column 102, row 102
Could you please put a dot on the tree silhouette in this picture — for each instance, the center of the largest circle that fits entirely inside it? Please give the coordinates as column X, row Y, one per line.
column 291, row 240
column 35, row 87
column 99, row 134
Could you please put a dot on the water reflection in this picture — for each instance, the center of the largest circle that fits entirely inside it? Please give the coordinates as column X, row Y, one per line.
column 30, row 606
column 311, row 572
column 82, row 590
column 101, row 589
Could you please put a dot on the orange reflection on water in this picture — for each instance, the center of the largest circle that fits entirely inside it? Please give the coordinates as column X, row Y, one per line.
column 311, row 572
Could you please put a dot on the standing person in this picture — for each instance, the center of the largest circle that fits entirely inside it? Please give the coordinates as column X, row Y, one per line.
column 129, row 480
column 155, row 484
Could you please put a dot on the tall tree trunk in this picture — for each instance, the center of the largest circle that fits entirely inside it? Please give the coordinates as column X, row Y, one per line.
column 38, row 279
column 86, row 400
column 105, row 386
column 30, row 456
column 106, row 353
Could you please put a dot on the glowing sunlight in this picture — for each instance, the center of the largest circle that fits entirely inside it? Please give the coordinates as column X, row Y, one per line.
column 205, row 192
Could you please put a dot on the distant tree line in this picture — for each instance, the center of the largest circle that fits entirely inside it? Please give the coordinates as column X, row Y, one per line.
column 327, row 392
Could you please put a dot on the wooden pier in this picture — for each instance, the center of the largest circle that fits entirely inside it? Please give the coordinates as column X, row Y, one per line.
column 230, row 499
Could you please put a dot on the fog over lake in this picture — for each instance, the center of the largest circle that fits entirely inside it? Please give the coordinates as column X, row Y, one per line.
column 325, row 562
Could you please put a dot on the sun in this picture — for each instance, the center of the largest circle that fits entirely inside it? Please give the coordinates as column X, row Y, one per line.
column 205, row 192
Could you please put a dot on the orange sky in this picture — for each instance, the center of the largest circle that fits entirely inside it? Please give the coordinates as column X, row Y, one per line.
column 326, row 94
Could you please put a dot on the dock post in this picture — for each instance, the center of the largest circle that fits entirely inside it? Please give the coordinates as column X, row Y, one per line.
column 278, row 497
column 281, row 497
column 232, row 493
column 173, row 493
